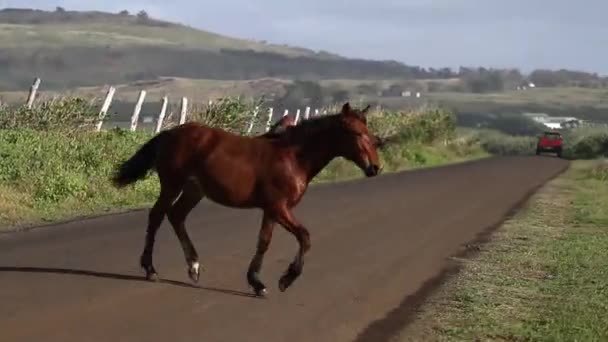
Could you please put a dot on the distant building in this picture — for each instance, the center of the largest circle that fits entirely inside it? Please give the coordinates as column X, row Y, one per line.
column 554, row 122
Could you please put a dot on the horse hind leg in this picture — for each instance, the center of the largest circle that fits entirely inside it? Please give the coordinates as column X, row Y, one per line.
column 190, row 197
column 289, row 222
column 255, row 266
column 168, row 194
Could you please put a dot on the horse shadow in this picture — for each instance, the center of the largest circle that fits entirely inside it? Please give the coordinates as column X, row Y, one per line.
column 117, row 276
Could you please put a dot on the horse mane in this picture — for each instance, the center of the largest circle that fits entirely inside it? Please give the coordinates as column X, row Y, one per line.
column 308, row 128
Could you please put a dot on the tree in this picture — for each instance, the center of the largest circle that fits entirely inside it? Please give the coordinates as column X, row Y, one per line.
column 339, row 96
column 143, row 15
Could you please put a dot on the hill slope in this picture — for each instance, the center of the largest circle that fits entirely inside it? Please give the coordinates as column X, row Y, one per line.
column 69, row 49
column 41, row 29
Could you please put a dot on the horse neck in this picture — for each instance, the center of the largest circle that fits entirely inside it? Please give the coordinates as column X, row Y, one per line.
column 314, row 152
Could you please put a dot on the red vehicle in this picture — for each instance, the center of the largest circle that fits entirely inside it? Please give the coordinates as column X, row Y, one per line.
column 550, row 141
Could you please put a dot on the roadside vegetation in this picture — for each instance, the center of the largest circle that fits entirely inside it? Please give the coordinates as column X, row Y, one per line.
column 543, row 276
column 579, row 143
column 53, row 166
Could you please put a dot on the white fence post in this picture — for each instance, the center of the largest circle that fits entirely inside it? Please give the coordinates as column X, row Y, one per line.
column 184, row 111
column 297, row 116
column 161, row 116
column 255, row 115
column 317, row 112
column 104, row 108
column 307, row 113
column 33, row 91
column 286, row 112
column 269, row 119
column 137, row 109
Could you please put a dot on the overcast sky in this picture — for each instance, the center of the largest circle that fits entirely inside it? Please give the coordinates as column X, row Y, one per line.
column 430, row 33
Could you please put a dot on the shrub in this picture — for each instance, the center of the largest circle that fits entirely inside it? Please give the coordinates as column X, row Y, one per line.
column 54, row 167
column 586, row 143
column 502, row 144
column 425, row 125
column 58, row 166
column 66, row 113
column 232, row 114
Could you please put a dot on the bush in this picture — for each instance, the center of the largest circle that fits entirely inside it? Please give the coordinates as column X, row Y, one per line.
column 425, row 125
column 586, row 143
column 57, row 114
column 56, row 166
column 232, row 114
column 580, row 143
column 502, row 144
column 53, row 168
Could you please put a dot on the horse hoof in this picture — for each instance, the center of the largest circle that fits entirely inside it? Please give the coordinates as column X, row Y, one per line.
column 194, row 272
column 152, row 276
column 261, row 292
column 283, row 284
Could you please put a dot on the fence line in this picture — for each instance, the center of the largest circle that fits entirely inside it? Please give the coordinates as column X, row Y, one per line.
column 32, row 94
column 183, row 111
column 104, row 108
column 137, row 109
column 161, row 115
column 255, row 115
column 134, row 120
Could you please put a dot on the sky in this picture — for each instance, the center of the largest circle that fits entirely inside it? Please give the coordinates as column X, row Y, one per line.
column 524, row 34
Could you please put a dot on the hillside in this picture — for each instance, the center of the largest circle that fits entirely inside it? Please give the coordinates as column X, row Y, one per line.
column 42, row 29
column 70, row 49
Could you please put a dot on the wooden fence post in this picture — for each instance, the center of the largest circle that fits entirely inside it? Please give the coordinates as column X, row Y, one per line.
column 270, row 110
column 184, row 111
column 307, row 113
column 104, row 108
column 137, row 109
column 255, row 115
column 161, row 115
column 32, row 95
column 297, row 116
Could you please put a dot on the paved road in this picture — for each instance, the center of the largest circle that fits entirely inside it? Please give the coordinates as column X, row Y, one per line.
column 374, row 245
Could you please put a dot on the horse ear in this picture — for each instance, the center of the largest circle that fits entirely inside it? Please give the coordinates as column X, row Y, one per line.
column 366, row 109
column 346, row 108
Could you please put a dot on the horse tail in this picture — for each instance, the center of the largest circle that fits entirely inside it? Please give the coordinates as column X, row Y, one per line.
column 137, row 167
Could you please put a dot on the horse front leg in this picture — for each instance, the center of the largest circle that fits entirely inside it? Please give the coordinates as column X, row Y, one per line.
column 255, row 266
column 288, row 221
column 191, row 196
column 155, row 219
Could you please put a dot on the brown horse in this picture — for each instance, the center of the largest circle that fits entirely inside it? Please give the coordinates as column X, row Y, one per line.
column 270, row 172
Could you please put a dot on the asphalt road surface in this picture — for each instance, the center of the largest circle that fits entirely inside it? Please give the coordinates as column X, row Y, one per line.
column 377, row 244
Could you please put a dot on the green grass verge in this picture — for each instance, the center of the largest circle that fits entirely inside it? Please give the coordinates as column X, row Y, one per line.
column 51, row 168
column 543, row 277
column 46, row 177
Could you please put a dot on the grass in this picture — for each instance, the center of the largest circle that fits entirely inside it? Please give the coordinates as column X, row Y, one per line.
column 554, row 97
column 53, row 167
column 107, row 29
column 543, row 277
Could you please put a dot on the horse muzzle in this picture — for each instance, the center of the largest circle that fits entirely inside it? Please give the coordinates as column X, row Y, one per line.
column 372, row 170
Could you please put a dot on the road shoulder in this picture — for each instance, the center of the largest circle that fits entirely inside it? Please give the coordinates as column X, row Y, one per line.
column 542, row 276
